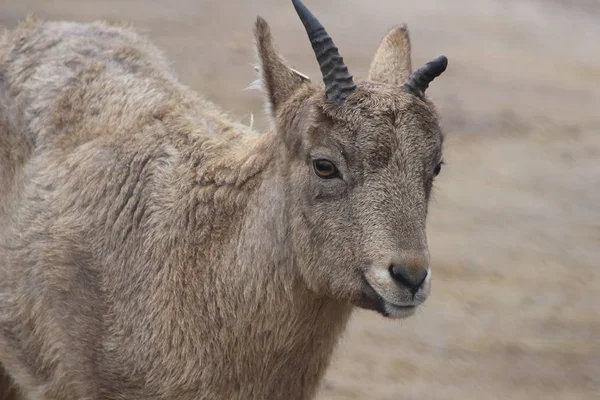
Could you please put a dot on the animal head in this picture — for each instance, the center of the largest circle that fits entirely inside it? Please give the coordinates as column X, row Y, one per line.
column 358, row 160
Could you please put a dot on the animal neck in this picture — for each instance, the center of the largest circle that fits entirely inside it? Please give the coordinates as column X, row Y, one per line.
column 257, row 326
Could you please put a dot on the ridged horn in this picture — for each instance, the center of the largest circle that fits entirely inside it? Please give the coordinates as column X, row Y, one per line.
column 420, row 79
column 337, row 79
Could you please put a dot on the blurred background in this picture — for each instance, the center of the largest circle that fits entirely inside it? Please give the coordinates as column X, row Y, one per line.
column 514, row 227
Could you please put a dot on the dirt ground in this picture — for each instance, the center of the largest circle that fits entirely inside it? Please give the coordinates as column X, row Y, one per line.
column 515, row 224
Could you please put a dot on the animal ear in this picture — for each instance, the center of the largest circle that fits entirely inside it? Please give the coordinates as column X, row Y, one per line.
column 392, row 63
column 277, row 79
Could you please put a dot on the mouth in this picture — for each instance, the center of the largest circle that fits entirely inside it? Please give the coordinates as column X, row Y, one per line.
column 371, row 300
column 394, row 311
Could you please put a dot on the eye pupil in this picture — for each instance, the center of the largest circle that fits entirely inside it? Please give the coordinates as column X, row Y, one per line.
column 438, row 169
column 324, row 168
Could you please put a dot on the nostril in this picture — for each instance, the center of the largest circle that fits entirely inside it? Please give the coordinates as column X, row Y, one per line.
column 411, row 279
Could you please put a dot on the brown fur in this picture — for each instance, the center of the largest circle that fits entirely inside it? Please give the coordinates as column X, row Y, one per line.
column 150, row 248
column 8, row 390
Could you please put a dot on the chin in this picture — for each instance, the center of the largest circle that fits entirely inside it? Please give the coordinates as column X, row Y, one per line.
column 385, row 308
column 397, row 312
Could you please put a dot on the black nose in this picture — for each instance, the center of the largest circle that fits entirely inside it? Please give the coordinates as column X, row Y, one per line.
column 412, row 278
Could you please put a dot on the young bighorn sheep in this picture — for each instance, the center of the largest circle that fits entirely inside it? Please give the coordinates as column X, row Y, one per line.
column 150, row 248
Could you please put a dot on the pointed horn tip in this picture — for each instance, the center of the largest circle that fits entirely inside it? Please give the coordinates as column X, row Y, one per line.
column 299, row 6
column 441, row 63
column 310, row 22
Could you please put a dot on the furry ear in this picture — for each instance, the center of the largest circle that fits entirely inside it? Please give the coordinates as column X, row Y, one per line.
column 277, row 79
column 392, row 63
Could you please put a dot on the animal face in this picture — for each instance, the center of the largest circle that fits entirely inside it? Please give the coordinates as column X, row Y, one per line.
column 358, row 162
column 361, row 174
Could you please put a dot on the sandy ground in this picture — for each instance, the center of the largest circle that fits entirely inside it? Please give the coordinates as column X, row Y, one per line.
column 515, row 223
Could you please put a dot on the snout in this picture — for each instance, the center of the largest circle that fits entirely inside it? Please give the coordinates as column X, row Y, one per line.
column 397, row 286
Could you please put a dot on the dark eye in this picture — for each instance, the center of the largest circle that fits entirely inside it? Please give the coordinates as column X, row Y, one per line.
column 438, row 168
column 325, row 169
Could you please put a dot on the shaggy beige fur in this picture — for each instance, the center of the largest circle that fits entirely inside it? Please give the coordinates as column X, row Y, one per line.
column 150, row 248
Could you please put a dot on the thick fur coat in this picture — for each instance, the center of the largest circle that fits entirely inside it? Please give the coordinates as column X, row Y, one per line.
column 151, row 248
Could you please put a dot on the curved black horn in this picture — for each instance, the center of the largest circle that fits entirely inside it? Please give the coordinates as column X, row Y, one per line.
column 420, row 79
column 337, row 79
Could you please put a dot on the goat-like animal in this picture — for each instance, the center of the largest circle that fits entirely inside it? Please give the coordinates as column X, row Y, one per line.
column 151, row 248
